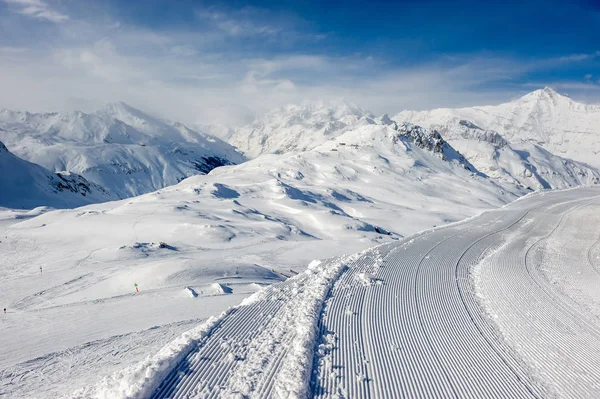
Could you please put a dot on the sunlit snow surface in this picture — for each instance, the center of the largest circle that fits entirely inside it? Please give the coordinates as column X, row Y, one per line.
column 242, row 227
column 564, row 127
column 118, row 147
column 199, row 247
column 468, row 310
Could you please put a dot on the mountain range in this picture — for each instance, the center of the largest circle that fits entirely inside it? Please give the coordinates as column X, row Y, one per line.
column 315, row 180
column 541, row 140
column 118, row 147
column 28, row 185
column 544, row 117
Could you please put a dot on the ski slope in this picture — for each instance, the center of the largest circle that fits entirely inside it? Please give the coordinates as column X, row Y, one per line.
column 473, row 309
column 226, row 234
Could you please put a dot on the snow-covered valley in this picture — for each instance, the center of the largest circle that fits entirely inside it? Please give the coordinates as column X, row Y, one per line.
column 94, row 289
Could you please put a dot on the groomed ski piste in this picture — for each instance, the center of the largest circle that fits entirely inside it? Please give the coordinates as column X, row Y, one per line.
column 503, row 305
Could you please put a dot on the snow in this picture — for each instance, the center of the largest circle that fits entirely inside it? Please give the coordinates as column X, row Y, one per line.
column 118, row 147
column 423, row 333
column 239, row 228
column 489, row 148
column 537, row 286
column 140, row 380
column 324, row 180
column 524, row 164
column 25, row 185
column 301, row 314
column 557, row 123
column 298, row 127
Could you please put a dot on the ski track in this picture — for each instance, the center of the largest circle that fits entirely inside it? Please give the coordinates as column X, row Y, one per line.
column 55, row 370
column 463, row 311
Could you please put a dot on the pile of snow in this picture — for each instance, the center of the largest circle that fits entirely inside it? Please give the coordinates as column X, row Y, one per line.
column 367, row 279
column 118, row 147
column 221, row 288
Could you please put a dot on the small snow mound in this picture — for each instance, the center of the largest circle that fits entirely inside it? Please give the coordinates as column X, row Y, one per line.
column 368, row 279
column 258, row 286
column 224, row 192
column 221, row 288
column 191, row 292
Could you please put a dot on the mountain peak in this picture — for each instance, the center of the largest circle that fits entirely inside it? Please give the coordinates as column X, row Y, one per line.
column 549, row 90
column 333, row 108
column 547, row 93
column 120, row 108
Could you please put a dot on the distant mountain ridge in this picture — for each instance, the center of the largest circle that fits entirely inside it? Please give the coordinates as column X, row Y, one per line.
column 128, row 152
column 298, row 127
column 25, row 185
column 525, row 163
column 543, row 117
column 118, row 147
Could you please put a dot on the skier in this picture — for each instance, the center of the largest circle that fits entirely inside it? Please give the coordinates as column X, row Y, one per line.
column 4, row 310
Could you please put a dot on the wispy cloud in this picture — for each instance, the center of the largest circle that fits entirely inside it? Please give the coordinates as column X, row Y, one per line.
column 209, row 75
column 561, row 85
column 579, row 57
column 244, row 22
column 37, row 9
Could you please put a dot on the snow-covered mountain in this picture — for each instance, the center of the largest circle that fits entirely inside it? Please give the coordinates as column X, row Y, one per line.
column 553, row 121
column 524, row 163
column 298, row 127
column 25, row 185
column 118, row 147
column 224, row 235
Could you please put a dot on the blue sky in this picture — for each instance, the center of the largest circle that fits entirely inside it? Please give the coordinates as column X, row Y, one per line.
column 203, row 61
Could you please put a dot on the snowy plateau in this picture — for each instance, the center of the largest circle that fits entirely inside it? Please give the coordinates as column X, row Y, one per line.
column 320, row 251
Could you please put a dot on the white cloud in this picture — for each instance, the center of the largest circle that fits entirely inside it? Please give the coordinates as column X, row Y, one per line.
column 576, row 57
column 208, row 77
column 183, row 51
column 579, row 57
column 196, row 88
column 240, row 23
column 37, row 9
column 587, row 86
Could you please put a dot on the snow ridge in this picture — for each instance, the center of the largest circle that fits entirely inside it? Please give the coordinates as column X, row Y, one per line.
column 25, row 185
column 118, row 147
column 544, row 117
column 140, row 380
column 298, row 127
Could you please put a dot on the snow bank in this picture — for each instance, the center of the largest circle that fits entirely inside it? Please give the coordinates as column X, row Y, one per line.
column 140, row 380
column 293, row 381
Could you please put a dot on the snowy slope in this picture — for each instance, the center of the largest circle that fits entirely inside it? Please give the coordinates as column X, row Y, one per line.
column 298, row 127
column 525, row 163
column 118, row 147
column 555, row 122
column 477, row 309
column 225, row 235
column 24, row 185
